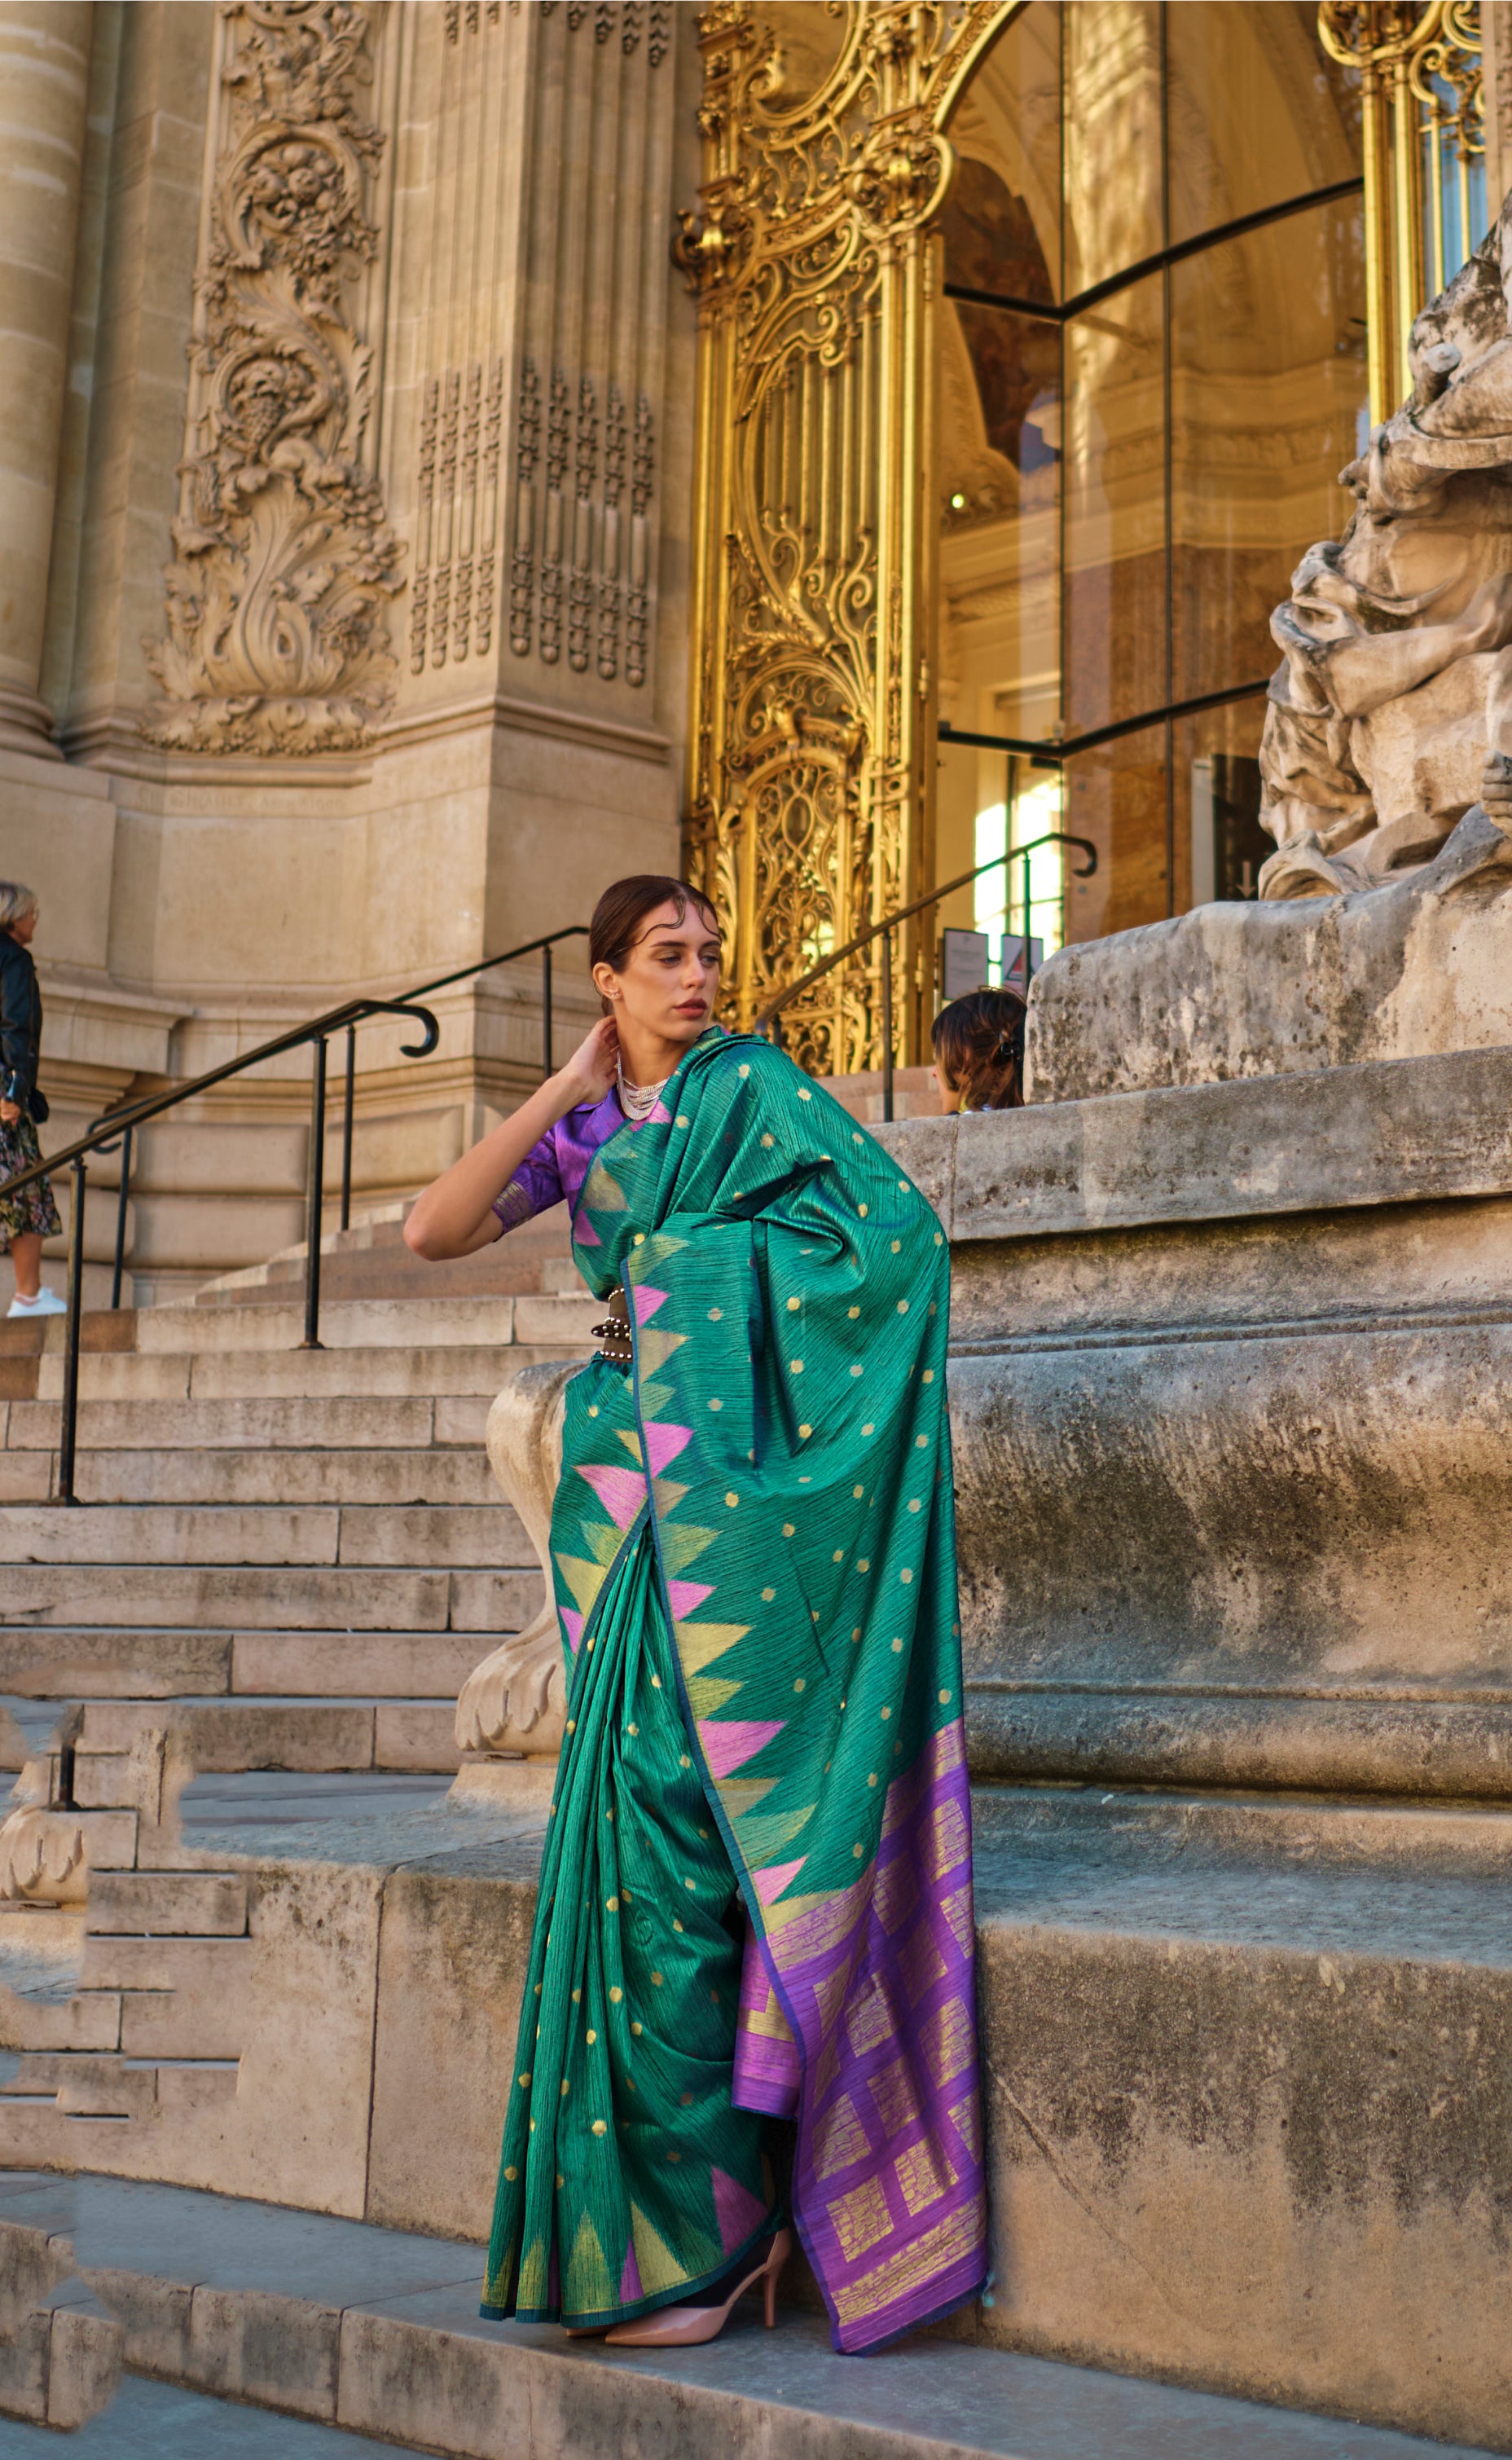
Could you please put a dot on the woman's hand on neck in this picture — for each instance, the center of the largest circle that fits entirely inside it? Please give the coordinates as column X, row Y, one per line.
column 646, row 1056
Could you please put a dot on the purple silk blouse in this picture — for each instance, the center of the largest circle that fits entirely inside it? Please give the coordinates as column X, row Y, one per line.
column 555, row 1169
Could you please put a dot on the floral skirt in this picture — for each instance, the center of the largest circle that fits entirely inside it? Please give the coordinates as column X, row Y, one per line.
column 31, row 1208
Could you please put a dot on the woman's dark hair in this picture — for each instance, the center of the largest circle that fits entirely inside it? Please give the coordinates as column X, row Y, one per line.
column 978, row 1042
column 619, row 919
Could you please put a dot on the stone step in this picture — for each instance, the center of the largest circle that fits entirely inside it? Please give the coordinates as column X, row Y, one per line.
column 435, row 1535
column 72, row 1661
column 278, row 1322
column 90, row 2087
column 558, row 1329
column 263, row 1730
column 370, row 1258
column 377, row 2331
column 225, row 1476
column 277, row 1597
column 349, row 1324
column 338, row 1422
column 161, row 2421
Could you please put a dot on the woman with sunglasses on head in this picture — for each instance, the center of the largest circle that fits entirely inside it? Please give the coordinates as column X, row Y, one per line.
column 755, row 1892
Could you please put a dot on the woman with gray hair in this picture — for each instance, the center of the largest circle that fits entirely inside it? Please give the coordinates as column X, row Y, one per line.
column 31, row 1214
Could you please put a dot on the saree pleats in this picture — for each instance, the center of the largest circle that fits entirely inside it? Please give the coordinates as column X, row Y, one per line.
column 628, row 2178
column 754, row 1555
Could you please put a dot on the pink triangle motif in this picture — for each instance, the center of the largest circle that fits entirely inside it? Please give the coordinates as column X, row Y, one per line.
column 733, row 1741
column 770, row 1883
column 572, row 1626
column 584, row 1234
column 620, row 1491
column 738, row 2211
column 631, row 2292
column 685, row 1597
column 663, row 1443
column 646, row 1303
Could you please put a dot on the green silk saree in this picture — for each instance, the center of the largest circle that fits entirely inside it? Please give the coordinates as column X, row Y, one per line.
column 756, row 1893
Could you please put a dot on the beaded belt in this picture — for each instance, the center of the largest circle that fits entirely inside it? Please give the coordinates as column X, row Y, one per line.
column 613, row 1335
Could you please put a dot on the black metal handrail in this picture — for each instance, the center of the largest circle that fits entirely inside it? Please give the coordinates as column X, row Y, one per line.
column 117, row 1128
column 768, row 1018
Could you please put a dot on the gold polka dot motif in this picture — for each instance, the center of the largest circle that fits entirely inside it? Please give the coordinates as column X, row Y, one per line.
column 601, row 2126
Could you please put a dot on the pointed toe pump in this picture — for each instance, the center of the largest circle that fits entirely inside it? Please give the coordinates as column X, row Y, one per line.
column 684, row 2327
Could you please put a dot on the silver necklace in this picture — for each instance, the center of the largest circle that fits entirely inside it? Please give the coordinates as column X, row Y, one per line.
column 638, row 1101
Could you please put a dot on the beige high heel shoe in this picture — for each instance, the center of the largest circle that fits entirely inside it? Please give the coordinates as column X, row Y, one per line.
column 684, row 2327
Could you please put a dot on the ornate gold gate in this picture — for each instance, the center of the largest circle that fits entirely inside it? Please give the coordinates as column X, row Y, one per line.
column 812, row 732
column 1423, row 137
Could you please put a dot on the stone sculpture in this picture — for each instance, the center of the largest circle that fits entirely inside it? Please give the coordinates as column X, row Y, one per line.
column 1393, row 712
column 44, row 1856
column 515, row 1701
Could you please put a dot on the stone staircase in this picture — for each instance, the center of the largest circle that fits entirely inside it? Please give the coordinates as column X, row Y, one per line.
column 375, row 2331
column 299, row 1554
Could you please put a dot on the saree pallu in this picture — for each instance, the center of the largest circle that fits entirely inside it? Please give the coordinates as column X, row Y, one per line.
column 753, row 1547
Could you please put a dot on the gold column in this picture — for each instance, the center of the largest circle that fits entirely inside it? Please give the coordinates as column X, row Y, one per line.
column 1421, row 108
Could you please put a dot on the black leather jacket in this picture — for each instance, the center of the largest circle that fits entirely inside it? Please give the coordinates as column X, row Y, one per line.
column 20, row 1022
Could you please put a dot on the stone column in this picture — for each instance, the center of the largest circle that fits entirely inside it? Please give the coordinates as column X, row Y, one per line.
column 44, row 75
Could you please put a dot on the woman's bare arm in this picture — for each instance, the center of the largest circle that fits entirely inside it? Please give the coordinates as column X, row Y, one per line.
column 456, row 1215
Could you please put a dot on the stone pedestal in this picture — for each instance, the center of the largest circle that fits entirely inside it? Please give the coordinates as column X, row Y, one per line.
column 1233, row 1453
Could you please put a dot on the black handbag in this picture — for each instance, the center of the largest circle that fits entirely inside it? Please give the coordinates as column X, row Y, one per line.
column 39, row 1107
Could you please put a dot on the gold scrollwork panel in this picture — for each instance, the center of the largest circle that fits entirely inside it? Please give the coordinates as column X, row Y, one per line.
column 811, row 786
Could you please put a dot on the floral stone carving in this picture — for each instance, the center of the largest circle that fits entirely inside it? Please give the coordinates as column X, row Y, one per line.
column 515, row 1701
column 277, row 639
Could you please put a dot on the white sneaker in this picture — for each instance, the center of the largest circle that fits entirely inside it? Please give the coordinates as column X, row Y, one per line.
column 45, row 1303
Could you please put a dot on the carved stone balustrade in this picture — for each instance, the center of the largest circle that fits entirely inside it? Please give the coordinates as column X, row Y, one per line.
column 515, row 1701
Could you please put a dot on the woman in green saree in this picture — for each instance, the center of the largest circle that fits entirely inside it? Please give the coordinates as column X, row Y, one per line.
column 756, row 1890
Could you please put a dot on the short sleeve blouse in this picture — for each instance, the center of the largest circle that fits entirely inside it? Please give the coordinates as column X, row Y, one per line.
column 555, row 1169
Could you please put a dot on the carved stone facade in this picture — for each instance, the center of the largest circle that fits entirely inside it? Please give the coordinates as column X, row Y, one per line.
column 377, row 352
column 277, row 626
